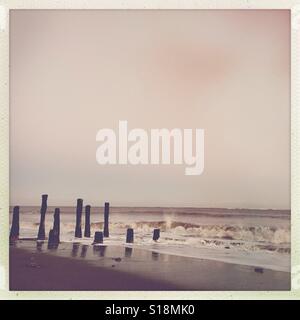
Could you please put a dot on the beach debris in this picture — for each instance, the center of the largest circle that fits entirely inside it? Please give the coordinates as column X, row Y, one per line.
column 156, row 234
column 98, row 237
column 78, row 231
column 15, row 226
column 33, row 263
column 41, row 232
column 117, row 259
column 106, row 219
column 87, row 223
column 113, row 265
column 129, row 235
column 259, row 270
column 56, row 224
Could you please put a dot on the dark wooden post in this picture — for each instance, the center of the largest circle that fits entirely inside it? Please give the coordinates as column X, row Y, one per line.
column 78, row 232
column 156, row 234
column 129, row 235
column 50, row 239
column 98, row 237
column 15, row 225
column 56, row 224
column 53, row 240
column 87, row 224
column 41, row 233
column 106, row 217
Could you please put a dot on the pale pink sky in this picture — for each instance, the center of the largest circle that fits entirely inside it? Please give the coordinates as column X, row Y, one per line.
column 73, row 72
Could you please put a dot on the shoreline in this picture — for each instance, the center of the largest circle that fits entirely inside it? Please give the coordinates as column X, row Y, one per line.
column 74, row 266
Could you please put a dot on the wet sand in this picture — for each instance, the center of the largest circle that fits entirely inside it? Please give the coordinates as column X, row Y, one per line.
column 84, row 267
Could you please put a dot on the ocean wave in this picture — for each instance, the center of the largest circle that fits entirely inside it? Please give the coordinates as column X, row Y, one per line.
column 229, row 232
column 257, row 234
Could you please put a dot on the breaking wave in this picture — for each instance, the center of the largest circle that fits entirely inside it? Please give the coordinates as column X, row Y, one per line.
column 245, row 233
column 257, row 234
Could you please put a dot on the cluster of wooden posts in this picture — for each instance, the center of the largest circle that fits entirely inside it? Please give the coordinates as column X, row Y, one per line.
column 54, row 234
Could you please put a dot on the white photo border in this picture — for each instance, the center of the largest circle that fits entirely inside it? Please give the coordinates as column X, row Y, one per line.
column 293, row 6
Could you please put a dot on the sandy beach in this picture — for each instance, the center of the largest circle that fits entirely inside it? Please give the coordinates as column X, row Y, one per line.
column 84, row 267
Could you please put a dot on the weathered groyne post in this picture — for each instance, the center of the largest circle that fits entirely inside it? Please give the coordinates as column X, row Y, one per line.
column 129, row 235
column 15, row 225
column 98, row 237
column 56, row 224
column 106, row 219
column 78, row 231
column 87, row 224
column 156, row 234
column 52, row 240
column 41, row 232
column 50, row 237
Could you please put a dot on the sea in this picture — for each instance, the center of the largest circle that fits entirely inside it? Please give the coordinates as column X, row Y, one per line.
column 260, row 238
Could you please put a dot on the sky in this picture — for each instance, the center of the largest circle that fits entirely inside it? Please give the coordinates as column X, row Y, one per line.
column 73, row 72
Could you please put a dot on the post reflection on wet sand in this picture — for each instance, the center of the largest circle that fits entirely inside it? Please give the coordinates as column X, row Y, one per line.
column 39, row 245
column 155, row 256
column 128, row 252
column 52, row 246
column 84, row 250
column 75, row 249
column 99, row 250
